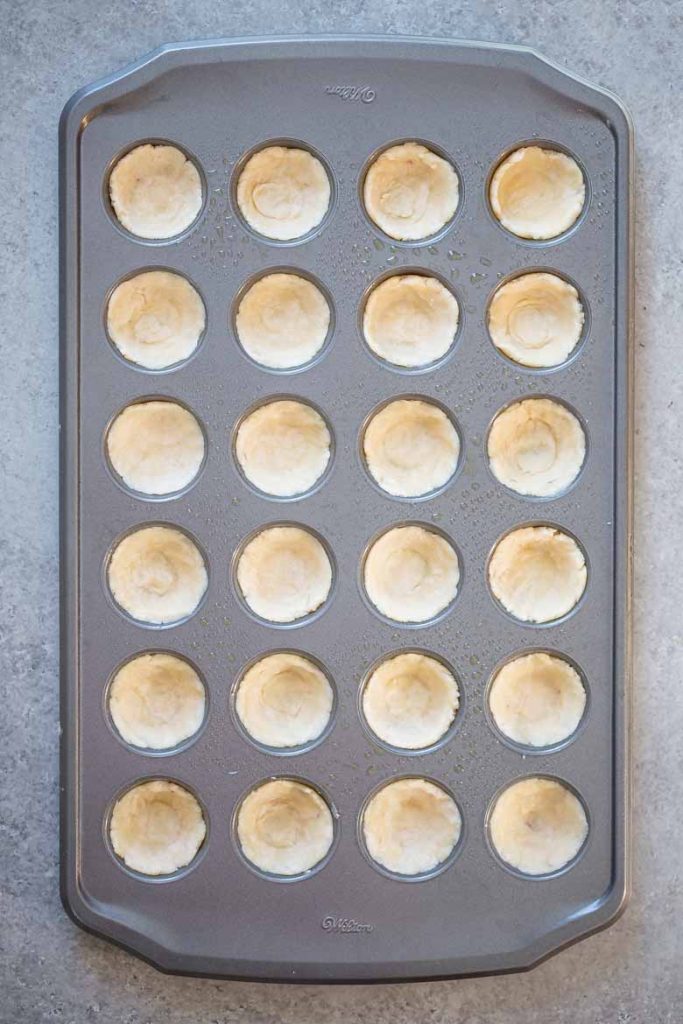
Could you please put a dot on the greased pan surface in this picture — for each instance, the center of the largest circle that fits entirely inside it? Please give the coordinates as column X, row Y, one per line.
column 346, row 98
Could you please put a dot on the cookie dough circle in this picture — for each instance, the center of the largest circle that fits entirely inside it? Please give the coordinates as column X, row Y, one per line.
column 411, row 574
column 411, row 448
column 410, row 320
column 537, row 193
column 536, row 320
column 157, row 827
column 156, row 447
column 537, row 699
column 283, row 192
column 409, row 192
column 284, row 573
column 156, row 701
column 157, row 575
column 411, row 826
column 284, row 827
column 283, row 447
column 156, row 192
column 536, row 447
column 410, row 701
column 155, row 319
column 284, row 700
column 538, row 826
column 538, row 573
column 282, row 321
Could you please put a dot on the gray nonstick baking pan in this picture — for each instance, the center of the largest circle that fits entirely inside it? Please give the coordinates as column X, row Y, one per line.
column 346, row 98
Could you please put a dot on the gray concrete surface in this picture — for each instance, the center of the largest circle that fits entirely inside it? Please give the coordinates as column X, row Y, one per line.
column 50, row 971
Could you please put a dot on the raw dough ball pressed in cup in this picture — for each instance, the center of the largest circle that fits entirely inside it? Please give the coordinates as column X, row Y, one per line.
column 282, row 321
column 411, row 826
column 410, row 701
column 410, row 320
column 536, row 447
column 537, row 699
column 157, row 575
column 411, row 447
column 284, row 573
column 155, row 319
column 537, row 573
column 284, row 827
column 156, row 191
column 157, row 701
column 537, row 193
column 536, row 320
column 283, row 447
column 156, row 447
column 411, row 574
column 157, row 827
column 284, row 700
column 410, row 192
column 537, row 826
column 283, row 193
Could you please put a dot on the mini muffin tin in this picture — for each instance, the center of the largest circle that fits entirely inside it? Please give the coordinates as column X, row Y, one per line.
column 346, row 99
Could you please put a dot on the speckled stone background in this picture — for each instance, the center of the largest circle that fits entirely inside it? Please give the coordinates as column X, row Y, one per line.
column 49, row 970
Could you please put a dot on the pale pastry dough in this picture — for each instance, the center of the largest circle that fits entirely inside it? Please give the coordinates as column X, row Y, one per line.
column 537, row 699
column 156, row 447
column 411, row 574
column 410, row 192
column 155, row 319
column 410, row 320
column 283, row 193
column 411, row 826
column 536, row 320
column 538, row 826
column 283, row 447
column 410, row 701
column 538, row 573
column 411, row 447
column 537, row 193
column 157, row 575
column 284, row 700
column 156, row 191
column 282, row 321
column 157, row 701
column 157, row 827
column 536, row 447
column 284, row 827
column 284, row 573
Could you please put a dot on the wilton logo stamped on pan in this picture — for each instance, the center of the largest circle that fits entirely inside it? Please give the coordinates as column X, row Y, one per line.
column 345, row 925
column 352, row 92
